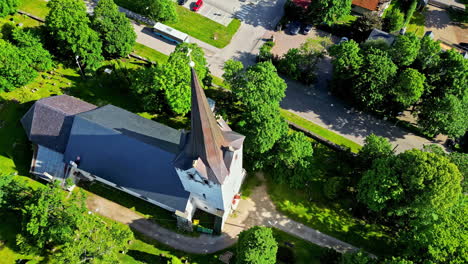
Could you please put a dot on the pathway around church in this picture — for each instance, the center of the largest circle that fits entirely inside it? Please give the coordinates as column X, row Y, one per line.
column 256, row 210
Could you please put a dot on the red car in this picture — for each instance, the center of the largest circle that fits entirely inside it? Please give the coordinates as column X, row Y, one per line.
column 197, row 5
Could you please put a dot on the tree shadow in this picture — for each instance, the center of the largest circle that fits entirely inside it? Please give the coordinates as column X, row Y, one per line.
column 148, row 257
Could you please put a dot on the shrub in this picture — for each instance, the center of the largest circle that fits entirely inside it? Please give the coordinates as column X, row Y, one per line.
column 333, row 186
column 265, row 51
column 393, row 20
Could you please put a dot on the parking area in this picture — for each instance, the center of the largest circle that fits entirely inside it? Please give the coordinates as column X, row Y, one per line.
column 210, row 11
column 438, row 21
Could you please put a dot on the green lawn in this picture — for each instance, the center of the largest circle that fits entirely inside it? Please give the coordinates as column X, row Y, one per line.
column 348, row 19
column 330, row 217
column 35, row 7
column 149, row 53
column 323, row 132
column 416, row 24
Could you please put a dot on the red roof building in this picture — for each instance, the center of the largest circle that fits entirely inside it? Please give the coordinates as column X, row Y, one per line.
column 371, row 5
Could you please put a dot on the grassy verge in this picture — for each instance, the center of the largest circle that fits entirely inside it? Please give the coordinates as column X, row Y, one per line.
column 416, row 24
column 330, row 217
column 323, row 132
column 36, row 7
column 149, row 53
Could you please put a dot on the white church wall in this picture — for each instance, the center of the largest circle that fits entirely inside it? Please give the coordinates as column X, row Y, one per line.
column 233, row 182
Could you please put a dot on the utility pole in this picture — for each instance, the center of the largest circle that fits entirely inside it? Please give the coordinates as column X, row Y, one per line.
column 78, row 62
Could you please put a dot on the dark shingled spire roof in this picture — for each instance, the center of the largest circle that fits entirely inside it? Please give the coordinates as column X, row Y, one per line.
column 207, row 142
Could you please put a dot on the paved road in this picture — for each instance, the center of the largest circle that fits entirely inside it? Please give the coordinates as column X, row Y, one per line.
column 438, row 21
column 258, row 210
column 317, row 105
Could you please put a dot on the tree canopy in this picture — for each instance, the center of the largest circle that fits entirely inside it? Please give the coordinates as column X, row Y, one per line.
column 256, row 246
column 328, row 11
column 409, row 87
column 8, row 7
column 392, row 186
column 31, row 47
column 68, row 24
column 405, row 49
column 15, row 71
column 374, row 148
column 160, row 10
column 115, row 30
column 394, row 20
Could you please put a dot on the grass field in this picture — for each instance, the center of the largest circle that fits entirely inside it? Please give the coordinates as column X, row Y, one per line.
column 149, row 53
column 36, row 7
column 323, row 132
column 416, row 24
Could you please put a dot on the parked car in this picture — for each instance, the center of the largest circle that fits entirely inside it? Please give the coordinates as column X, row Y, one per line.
column 463, row 45
column 197, row 5
column 306, row 29
column 182, row 2
column 343, row 39
column 294, row 28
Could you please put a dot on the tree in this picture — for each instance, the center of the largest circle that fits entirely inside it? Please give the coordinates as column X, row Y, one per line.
column 260, row 90
column 367, row 22
column 48, row 220
column 359, row 257
column 160, row 10
column 8, row 7
column 233, row 72
column 256, row 246
column 372, row 82
column 440, row 237
column 410, row 11
column 405, row 49
column 429, row 54
column 328, row 11
column 409, row 87
column 347, row 62
column 68, row 24
column 31, row 47
column 174, row 76
column 15, row 71
column 398, row 260
column 143, row 85
column 411, row 183
column 115, row 29
column 394, row 20
column 374, row 148
column 95, row 240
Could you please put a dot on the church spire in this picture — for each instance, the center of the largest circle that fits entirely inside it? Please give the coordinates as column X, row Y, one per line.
column 206, row 138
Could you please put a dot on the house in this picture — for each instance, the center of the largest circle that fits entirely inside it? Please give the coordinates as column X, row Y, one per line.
column 377, row 34
column 366, row 6
column 180, row 171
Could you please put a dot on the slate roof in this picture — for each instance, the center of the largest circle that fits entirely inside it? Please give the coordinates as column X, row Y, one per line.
column 207, row 142
column 379, row 34
column 49, row 120
column 130, row 151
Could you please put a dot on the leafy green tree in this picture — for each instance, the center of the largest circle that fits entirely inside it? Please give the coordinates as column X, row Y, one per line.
column 160, row 10
column 143, row 85
column 233, row 72
column 447, row 115
column 95, row 241
column 256, row 246
column 377, row 72
column 439, row 237
column 398, row 260
column 409, row 87
column 328, row 11
column 68, row 25
column 49, row 220
column 15, row 71
column 260, row 90
column 13, row 192
column 374, row 148
column 393, row 20
column 174, row 76
column 359, row 257
column 429, row 54
column 8, row 7
column 411, row 183
column 410, row 11
column 31, row 47
column 347, row 62
column 405, row 49
column 366, row 23
column 114, row 28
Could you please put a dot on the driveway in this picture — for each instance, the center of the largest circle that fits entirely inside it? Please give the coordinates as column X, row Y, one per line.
column 438, row 21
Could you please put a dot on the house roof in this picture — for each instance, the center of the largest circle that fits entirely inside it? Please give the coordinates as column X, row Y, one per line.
column 379, row 34
column 130, row 151
column 49, row 120
column 367, row 4
column 207, row 142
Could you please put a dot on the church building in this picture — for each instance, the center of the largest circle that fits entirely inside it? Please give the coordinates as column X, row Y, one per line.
column 177, row 170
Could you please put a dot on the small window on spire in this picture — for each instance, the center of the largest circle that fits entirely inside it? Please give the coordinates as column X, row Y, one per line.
column 204, row 196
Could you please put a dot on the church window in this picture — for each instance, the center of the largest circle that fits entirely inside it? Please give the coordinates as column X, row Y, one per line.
column 206, row 181
column 204, row 196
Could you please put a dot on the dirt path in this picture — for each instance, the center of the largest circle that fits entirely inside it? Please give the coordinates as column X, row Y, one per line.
column 256, row 210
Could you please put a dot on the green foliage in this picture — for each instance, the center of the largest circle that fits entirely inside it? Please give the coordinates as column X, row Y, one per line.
column 160, row 10
column 393, row 20
column 359, row 257
column 333, row 187
column 328, row 11
column 410, row 12
column 115, row 30
column 348, row 59
column 367, row 22
column 371, row 84
column 14, row 69
column 391, row 185
column 405, row 49
column 398, row 260
column 30, row 45
column 232, row 69
column 48, row 220
column 260, row 90
column 256, row 246
column 374, row 148
column 439, row 237
column 8, row 7
column 95, row 241
column 68, row 25
column 409, row 87
column 143, row 85
column 429, row 53
column 265, row 51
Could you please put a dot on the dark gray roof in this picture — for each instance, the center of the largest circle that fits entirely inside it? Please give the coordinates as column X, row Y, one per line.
column 130, row 151
column 135, row 126
column 49, row 120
